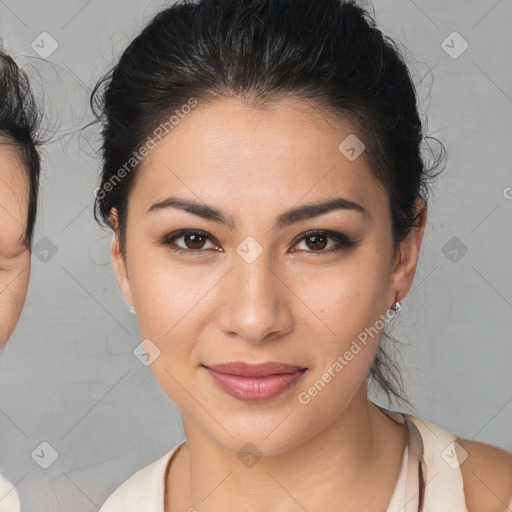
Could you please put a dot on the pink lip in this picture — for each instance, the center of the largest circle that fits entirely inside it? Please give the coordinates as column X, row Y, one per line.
column 254, row 383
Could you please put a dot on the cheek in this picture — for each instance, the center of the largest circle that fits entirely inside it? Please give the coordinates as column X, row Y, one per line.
column 344, row 298
column 171, row 301
column 344, row 313
column 342, row 347
column 168, row 313
column 14, row 278
column 167, row 302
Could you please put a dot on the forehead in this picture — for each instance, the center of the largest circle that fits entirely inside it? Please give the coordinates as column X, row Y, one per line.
column 287, row 152
column 13, row 175
column 14, row 194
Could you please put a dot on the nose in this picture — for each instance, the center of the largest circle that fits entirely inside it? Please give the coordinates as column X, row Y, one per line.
column 256, row 302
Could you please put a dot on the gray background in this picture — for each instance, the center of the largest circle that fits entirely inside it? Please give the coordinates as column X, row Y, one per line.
column 69, row 376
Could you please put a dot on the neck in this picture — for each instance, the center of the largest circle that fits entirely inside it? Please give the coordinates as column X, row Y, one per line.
column 362, row 449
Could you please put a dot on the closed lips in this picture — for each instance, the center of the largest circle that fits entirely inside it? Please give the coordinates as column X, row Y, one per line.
column 262, row 370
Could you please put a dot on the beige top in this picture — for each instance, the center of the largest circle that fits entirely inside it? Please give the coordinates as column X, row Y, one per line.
column 9, row 499
column 430, row 478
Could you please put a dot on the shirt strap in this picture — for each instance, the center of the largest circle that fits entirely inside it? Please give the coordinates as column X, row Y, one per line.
column 415, row 479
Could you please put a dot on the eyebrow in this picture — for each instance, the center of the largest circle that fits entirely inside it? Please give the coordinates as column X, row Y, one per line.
column 285, row 219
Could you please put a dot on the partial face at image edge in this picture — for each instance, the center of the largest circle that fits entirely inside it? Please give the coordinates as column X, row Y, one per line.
column 14, row 249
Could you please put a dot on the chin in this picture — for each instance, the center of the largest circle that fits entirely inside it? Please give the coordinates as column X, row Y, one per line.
column 264, row 436
column 258, row 445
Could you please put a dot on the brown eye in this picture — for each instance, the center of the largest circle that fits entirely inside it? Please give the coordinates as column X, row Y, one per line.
column 193, row 241
column 317, row 241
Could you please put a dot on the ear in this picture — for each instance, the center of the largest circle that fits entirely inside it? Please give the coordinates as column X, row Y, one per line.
column 407, row 255
column 118, row 260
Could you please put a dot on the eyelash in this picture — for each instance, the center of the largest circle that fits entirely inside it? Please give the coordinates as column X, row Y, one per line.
column 343, row 241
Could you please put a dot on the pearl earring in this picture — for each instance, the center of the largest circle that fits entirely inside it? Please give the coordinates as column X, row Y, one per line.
column 132, row 309
column 397, row 306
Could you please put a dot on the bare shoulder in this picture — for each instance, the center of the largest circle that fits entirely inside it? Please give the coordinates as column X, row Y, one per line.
column 487, row 476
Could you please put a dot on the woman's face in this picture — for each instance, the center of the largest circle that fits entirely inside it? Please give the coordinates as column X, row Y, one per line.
column 253, row 289
column 14, row 252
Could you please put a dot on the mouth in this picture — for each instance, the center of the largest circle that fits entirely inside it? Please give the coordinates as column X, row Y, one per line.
column 255, row 383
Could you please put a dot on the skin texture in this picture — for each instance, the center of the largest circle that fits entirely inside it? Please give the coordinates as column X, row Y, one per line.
column 487, row 475
column 293, row 304
column 14, row 252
